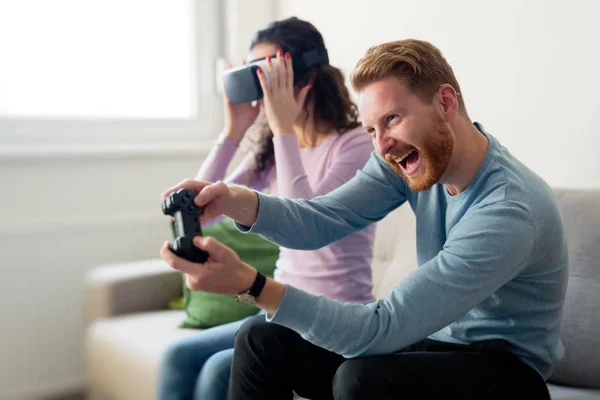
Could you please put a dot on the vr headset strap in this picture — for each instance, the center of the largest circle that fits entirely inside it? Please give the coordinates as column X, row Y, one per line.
column 311, row 58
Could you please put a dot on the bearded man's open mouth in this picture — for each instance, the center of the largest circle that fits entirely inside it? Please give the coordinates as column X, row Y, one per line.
column 408, row 161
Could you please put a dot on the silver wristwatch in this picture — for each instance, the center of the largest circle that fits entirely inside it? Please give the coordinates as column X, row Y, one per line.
column 249, row 297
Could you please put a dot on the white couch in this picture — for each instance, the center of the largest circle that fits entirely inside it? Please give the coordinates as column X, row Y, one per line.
column 130, row 325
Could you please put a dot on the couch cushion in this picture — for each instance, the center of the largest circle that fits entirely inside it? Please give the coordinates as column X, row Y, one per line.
column 395, row 257
column 580, row 329
column 123, row 353
column 570, row 393
column 395, row 250
column 205, row 310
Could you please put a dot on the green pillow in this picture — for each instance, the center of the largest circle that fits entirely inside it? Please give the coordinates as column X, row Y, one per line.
column 205, row 310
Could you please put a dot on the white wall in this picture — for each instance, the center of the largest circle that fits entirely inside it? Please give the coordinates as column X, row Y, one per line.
column 528, row 69
column 244, row 18
column 62, row 216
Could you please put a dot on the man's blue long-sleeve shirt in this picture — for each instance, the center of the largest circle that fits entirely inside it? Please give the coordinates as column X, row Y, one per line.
column 492, row 262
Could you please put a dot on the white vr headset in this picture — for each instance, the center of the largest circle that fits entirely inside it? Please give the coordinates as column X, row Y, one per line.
column 242, row 84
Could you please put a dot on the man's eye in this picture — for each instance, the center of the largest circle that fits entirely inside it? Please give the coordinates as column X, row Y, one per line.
column 390, row 118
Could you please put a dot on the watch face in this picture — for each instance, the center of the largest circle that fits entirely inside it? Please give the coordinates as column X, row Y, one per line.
column 247, row 299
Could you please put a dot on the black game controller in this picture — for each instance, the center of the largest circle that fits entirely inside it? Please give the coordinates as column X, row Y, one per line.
column 180, row 205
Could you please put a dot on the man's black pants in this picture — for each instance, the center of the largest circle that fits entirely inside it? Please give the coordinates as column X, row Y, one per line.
column 270, row 361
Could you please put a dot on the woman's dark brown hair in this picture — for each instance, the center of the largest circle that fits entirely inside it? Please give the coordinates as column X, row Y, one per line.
column 333, row 108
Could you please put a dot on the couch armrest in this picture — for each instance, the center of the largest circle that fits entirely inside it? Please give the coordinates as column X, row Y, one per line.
column 131, row 287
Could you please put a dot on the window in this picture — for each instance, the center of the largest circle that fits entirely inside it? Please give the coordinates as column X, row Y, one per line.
column 107, row 70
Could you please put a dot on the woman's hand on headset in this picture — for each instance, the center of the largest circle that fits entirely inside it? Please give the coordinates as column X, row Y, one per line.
column 282, row 105
column 238, row 117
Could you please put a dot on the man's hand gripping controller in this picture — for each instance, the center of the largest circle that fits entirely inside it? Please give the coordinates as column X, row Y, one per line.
column 180, row 205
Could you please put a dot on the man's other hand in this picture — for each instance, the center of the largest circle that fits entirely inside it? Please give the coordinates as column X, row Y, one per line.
column 223, row 272
column 237, row 202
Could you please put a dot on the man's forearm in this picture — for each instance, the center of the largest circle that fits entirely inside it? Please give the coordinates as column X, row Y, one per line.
column 243, row 207
column 244, row 210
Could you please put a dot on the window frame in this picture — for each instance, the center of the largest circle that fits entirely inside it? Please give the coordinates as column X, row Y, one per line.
column 208, row 25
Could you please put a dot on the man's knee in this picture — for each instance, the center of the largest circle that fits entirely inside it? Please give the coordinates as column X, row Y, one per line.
column 254, row 327
column 353, row 379
column 363, row 378
column 257, row 331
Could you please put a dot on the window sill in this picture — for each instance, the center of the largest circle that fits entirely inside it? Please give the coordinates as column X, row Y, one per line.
column 103, row 151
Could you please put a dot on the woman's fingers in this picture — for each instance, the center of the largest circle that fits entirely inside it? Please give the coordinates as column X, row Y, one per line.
column 263, row 82
column 281, row 70
column 289, row 70
column 270, row 73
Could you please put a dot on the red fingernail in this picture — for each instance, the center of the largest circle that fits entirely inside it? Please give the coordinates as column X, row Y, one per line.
column 279, row 52
column 287, row 55
column 268, row 58
column 258, row 70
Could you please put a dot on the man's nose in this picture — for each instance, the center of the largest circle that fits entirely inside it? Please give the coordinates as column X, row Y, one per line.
column 383, row 142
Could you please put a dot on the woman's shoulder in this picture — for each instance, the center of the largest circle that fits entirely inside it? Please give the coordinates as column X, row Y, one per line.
column 355, row 137
column 357, row 131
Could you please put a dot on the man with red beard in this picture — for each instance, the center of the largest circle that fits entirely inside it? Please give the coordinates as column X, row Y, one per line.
column 479, row 318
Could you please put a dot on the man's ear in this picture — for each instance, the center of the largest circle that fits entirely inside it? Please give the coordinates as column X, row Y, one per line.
column 447, row 98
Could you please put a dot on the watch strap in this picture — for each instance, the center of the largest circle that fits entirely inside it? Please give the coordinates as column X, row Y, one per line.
column 258, row 285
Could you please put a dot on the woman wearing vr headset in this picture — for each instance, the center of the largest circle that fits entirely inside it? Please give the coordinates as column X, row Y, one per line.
column 311, row 143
